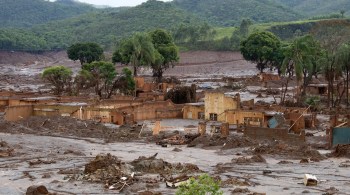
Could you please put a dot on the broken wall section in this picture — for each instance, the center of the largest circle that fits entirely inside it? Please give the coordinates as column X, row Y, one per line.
column 275, row 134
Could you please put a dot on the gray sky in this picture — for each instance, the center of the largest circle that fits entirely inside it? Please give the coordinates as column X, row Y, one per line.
column 116, row 3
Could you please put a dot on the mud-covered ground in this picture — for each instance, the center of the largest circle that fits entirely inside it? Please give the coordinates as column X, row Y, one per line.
column 55, row 151
column 21, row 71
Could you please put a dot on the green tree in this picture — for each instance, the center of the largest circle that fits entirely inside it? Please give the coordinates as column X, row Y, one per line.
column 166, row 54
column 126, row 82
column 260, row 48
column 102, row 75
column 343, row 60
column 303, row 54
column 204, row 185
column 244, row 27
column 137, row 50
column 59, row 76
column 85, row 52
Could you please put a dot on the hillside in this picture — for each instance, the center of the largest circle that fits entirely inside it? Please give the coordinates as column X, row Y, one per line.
column 316, row 7
column 104, row 27
column 25, row 13
column 231, row 12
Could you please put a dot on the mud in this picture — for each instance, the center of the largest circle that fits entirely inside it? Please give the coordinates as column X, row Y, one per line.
column 341, row 151
column 292, row 152
column 70, row 127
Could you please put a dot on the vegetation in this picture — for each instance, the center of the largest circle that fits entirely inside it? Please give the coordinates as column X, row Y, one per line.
column 315, row 7
column 302, row 56
column 166, row 52
column 105, row 27
column 204, row 185
column 59, row 76
column 137, row 50
column 24, row 13
column 261, row 48
column 231, row 12
column 102, row 77
column 85, row 52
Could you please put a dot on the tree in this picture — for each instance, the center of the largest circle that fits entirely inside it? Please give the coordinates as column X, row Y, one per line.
column 137, row 50
column 85, row 52
column 332, row 34
column 102, row 75
column 166, row 54
column 59, row 76
column 244, row 27
column 204, row 185
column 342, row 12
column 302, row 56
column 343, row 60
column 260, row 48
column 125, row 82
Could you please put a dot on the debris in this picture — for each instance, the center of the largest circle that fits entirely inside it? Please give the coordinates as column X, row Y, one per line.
column 283, row 162
column 304, row 160
column 341, row 151
column 310, row 180
column 331, row 191
column 177, row 150
column 39, row 161
column 253, row 159
column 240, row 190
column 37, row 190
column 176, row 182
column 265, row 172
column 234, row 182
column 77, row 153
column 345, row 164
column 178, row 139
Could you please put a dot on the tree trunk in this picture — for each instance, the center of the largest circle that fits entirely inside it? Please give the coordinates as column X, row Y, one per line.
column 135, row 71
column 347, row 87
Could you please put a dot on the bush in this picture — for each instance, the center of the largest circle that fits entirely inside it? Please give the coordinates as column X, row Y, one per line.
column 204, row 185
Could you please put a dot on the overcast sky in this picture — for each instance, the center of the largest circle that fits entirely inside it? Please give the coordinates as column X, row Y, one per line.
column 116, row 3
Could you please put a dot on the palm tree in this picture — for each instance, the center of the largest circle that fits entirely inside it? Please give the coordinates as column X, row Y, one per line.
column 343, row 60
column 143, row 52
column 301, row 56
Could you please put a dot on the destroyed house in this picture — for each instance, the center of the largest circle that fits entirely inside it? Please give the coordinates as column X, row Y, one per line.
column 216, row 104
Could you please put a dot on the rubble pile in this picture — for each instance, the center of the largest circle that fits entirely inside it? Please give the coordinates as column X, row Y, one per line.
column 178, row 139
column 294, row 152
column 246, row 160
column 6, row 150
column 226, row 143
column 118, row 175
column 341, row 151
column 153, row 165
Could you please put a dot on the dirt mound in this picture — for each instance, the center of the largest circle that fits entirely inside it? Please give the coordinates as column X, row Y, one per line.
column 341, row 151
column 294, row 152
column 6, row 150
column 153, row 165
column 226, row 143
column 234, row 182
column 102, row 162
column 67, row 126
column 253, row 159
column 37, row 190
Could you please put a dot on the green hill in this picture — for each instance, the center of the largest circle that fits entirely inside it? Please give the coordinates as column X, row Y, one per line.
column 26, row 13
column 231, row 12
column 316, row 7
column 104, row 27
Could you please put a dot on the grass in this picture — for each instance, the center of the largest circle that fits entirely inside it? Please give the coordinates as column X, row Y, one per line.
column 222, row 32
